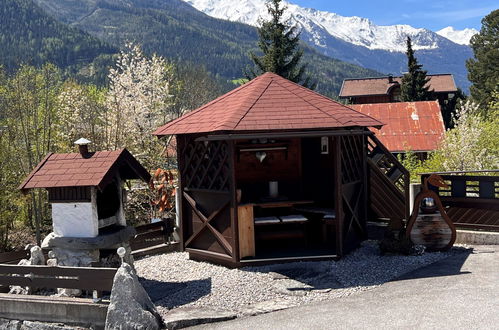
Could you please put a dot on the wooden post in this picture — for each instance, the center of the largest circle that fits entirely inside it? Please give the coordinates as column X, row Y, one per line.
column 365, row 182
column 180, row 164
column 246, row 230
column 338, row 195
column 233, row 202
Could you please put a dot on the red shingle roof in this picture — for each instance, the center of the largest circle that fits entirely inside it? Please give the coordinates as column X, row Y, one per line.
column 416, row 126
column 73, row 170
column 268, row 102
column 440, row 83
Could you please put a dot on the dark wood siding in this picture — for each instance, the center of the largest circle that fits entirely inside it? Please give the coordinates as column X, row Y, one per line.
column 69, row 194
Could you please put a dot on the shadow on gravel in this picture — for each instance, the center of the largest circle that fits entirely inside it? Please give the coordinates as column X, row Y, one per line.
column 446, row 267
column 364, row 267
column 174, row 294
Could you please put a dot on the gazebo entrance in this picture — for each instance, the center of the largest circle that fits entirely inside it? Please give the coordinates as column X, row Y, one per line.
column 264, row 198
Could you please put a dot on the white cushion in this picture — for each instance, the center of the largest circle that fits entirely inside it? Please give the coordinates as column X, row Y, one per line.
column 265, row 220
column 293, row 218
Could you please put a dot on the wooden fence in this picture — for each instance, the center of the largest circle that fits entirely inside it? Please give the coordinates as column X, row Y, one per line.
column 153, row 238
column 14, row 257
column 150, row 239
column 83, row 278
column 472, row 199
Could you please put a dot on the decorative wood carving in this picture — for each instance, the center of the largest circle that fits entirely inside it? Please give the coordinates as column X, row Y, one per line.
column 435, row 231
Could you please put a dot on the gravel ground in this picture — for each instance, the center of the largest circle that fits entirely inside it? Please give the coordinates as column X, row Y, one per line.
column 173, row 281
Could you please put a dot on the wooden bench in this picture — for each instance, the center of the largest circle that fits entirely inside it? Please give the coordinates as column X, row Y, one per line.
column 247, row 224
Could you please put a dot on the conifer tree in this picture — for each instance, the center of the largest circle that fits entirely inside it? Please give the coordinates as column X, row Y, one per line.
column 414, row 82
column 279, row 42
column 483, row 69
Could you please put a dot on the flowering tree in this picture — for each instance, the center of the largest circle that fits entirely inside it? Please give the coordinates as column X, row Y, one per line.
column 81, row 114
column 465, row 147
column 138, row 102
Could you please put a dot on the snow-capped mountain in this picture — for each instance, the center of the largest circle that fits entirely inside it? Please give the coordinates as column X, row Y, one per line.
column 461, row 37
column 354, row 39
column 320, row 24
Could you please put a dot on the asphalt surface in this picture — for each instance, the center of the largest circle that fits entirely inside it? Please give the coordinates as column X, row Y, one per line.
column 460, row 292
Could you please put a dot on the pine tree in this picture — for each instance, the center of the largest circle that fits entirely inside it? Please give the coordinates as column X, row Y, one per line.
column 483, row 70
column 279, row 42
column 414, row 82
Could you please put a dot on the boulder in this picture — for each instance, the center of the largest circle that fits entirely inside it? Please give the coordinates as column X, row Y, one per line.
column 10, row 324
column 130, row 307
column 36, row 258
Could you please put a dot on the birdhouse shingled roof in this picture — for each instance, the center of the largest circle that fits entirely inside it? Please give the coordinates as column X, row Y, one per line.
column 74, row 170
column 268, row 102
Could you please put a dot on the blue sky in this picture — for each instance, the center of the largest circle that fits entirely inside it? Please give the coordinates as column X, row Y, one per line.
column 430, row 14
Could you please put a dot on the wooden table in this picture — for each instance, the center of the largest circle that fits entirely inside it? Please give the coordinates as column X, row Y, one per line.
column 246, row 224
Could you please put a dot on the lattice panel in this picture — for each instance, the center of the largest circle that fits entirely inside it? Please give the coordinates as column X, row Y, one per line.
column 352, row 148
column 206, row 165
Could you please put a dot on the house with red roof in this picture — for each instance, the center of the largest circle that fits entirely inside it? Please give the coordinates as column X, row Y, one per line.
column 409, row 126
column 387, row 89
column 273, row 171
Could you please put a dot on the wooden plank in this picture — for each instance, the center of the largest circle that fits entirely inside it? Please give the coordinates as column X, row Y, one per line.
column 14, row 256
column 338, row 199
column 57, row 271
column 152, row 235
column 157, row 249
column 246, row 231
column 234, row 213
column 150, row 227
column 85, row 278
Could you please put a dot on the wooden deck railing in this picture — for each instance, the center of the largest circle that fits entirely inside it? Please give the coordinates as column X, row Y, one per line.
column 472, row 198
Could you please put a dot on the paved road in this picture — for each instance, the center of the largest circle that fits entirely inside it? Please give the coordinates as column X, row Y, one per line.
column 461, row 292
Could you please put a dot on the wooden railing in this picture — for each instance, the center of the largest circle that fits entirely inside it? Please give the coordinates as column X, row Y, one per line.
column 472, row 198
column 83, row 278
column 152, row 236
column 389, row 182
column 13, row 257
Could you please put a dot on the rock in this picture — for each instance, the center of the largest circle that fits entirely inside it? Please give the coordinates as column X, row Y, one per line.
column 75, row 258
column 130, row 307
column 16, row 289
column 104, row 241
column 33, row 325
column 10, row 324
column 191, row 316
column 37, row 257
column 291, row 287
column 267, row 307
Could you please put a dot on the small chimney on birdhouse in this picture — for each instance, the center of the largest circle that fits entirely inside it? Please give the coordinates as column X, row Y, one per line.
column 390, row 79
column 83, row 147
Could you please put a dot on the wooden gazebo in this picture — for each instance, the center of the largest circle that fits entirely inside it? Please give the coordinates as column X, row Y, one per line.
column 272, row 171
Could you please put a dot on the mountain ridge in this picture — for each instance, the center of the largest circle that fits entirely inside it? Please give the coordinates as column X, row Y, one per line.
column 176, row 30
column 354, row 39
